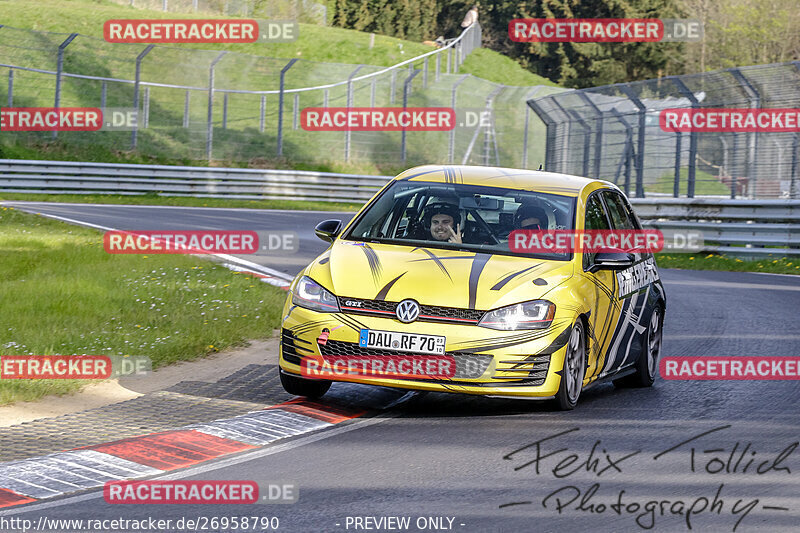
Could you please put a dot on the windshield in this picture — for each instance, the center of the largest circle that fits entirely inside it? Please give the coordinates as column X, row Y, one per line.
column 454, row 216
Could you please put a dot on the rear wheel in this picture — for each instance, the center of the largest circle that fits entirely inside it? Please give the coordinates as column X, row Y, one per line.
column 647, row 365
column 574, row 369
column 311, row 388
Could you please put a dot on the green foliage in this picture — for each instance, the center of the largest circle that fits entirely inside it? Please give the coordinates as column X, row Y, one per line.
column 404, row 19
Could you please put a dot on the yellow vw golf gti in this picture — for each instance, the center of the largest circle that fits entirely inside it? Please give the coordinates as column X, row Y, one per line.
column 425, row 289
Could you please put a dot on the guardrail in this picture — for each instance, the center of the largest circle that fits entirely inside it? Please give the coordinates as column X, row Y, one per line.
column 746, row 228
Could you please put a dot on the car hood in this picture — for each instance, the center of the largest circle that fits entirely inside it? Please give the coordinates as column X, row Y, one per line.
column 450, row 278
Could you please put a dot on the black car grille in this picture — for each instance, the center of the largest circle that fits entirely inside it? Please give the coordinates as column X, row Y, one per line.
column 532, row 370
column 427, row 313
column 468, row 365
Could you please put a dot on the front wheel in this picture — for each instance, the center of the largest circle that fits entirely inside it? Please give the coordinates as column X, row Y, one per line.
column 647, row 365
column 574, row 369
column 310, row 388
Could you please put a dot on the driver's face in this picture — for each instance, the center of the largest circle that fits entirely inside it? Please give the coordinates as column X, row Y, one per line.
column 441, row 225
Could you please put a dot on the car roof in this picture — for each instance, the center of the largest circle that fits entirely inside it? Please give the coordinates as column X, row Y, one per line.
column 507, row 178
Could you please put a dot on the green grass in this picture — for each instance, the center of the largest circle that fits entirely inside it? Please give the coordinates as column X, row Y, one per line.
column 327, row 53
column 61, row 293
column 775, row 265
column 151, row 199
column 705, row 184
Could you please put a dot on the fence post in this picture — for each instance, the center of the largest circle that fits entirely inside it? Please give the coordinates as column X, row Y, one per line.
column 752, row 137
column 194, row 5
column 527, row 121
column 393, row 86
column 263, row 113
column 136, row 81
column 296, row 110
column 225, row 111
column 725, row 166
column 453, row 105
column 676, row 186
column 793, row 174
column 406, row 90
column 438, row 65
column 280, row 103
column 209, row 121
column 598, row 134
column 146, row 107
column 692, row 136
column 59, row 71
column 425, row 73
column 449, row 58
column 550, row 135
column 586, row 140
column 640, row 140
column 349, row 104
column 486, row 146
column 164, row 5
column 103, row 93
column 325, row 98
column 625, row 158
column 186, row 110
column 372, row 92
column 11, row 87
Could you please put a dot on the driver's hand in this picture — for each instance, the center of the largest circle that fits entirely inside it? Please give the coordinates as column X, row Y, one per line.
column 455, row 236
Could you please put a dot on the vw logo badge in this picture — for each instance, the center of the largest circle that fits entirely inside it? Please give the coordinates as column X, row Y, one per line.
column 407, row 311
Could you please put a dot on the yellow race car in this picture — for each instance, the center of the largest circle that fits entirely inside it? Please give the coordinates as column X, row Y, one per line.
column 424, row 290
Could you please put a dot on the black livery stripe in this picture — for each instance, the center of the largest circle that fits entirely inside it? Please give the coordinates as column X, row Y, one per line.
column 385, row 290
column 474, row 276
column 435, row 259
column 502, row 283
column 373, row 260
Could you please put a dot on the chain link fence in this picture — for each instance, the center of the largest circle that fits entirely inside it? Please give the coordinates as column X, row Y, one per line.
column 197, row 104
column 614, row 133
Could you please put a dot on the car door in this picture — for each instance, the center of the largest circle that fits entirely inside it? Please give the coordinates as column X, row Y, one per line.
column 633, row 289
column 605, row 309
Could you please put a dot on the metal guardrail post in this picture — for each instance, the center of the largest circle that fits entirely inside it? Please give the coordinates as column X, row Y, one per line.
column 60, row 70
column 692, row 136
column 137, row 80
column 406, row 90
column 598, row 133
column 550, row 135
column 210, row 118
column 626, row 88
column 452, row 149
column 525, row 132
column 280, row 104
column 752, row 137
column 349, row 104
column 625, row 158
column 11, row 87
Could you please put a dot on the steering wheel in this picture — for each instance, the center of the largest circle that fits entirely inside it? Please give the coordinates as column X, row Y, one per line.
column 484, row 226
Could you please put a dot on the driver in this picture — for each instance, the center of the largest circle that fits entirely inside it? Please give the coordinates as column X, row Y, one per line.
column 443, row 220
column 531, row 216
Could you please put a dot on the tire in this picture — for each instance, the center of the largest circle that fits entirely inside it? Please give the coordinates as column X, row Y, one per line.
column 574, row 369
column 310, row 388
column 647, row 365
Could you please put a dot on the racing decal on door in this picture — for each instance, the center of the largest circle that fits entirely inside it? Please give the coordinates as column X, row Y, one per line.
column 636, row 277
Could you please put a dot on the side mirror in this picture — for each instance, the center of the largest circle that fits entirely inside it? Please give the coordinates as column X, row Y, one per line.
column 327, row 230
column 612, row 261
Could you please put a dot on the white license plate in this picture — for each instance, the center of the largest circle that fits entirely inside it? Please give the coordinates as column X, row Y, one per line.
column 401, row 342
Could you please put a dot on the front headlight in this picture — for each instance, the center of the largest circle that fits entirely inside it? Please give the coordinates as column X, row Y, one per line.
column 537, row 314
column 311, row 295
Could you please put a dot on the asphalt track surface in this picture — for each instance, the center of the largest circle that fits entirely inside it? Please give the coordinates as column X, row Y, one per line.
column 476, row 460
